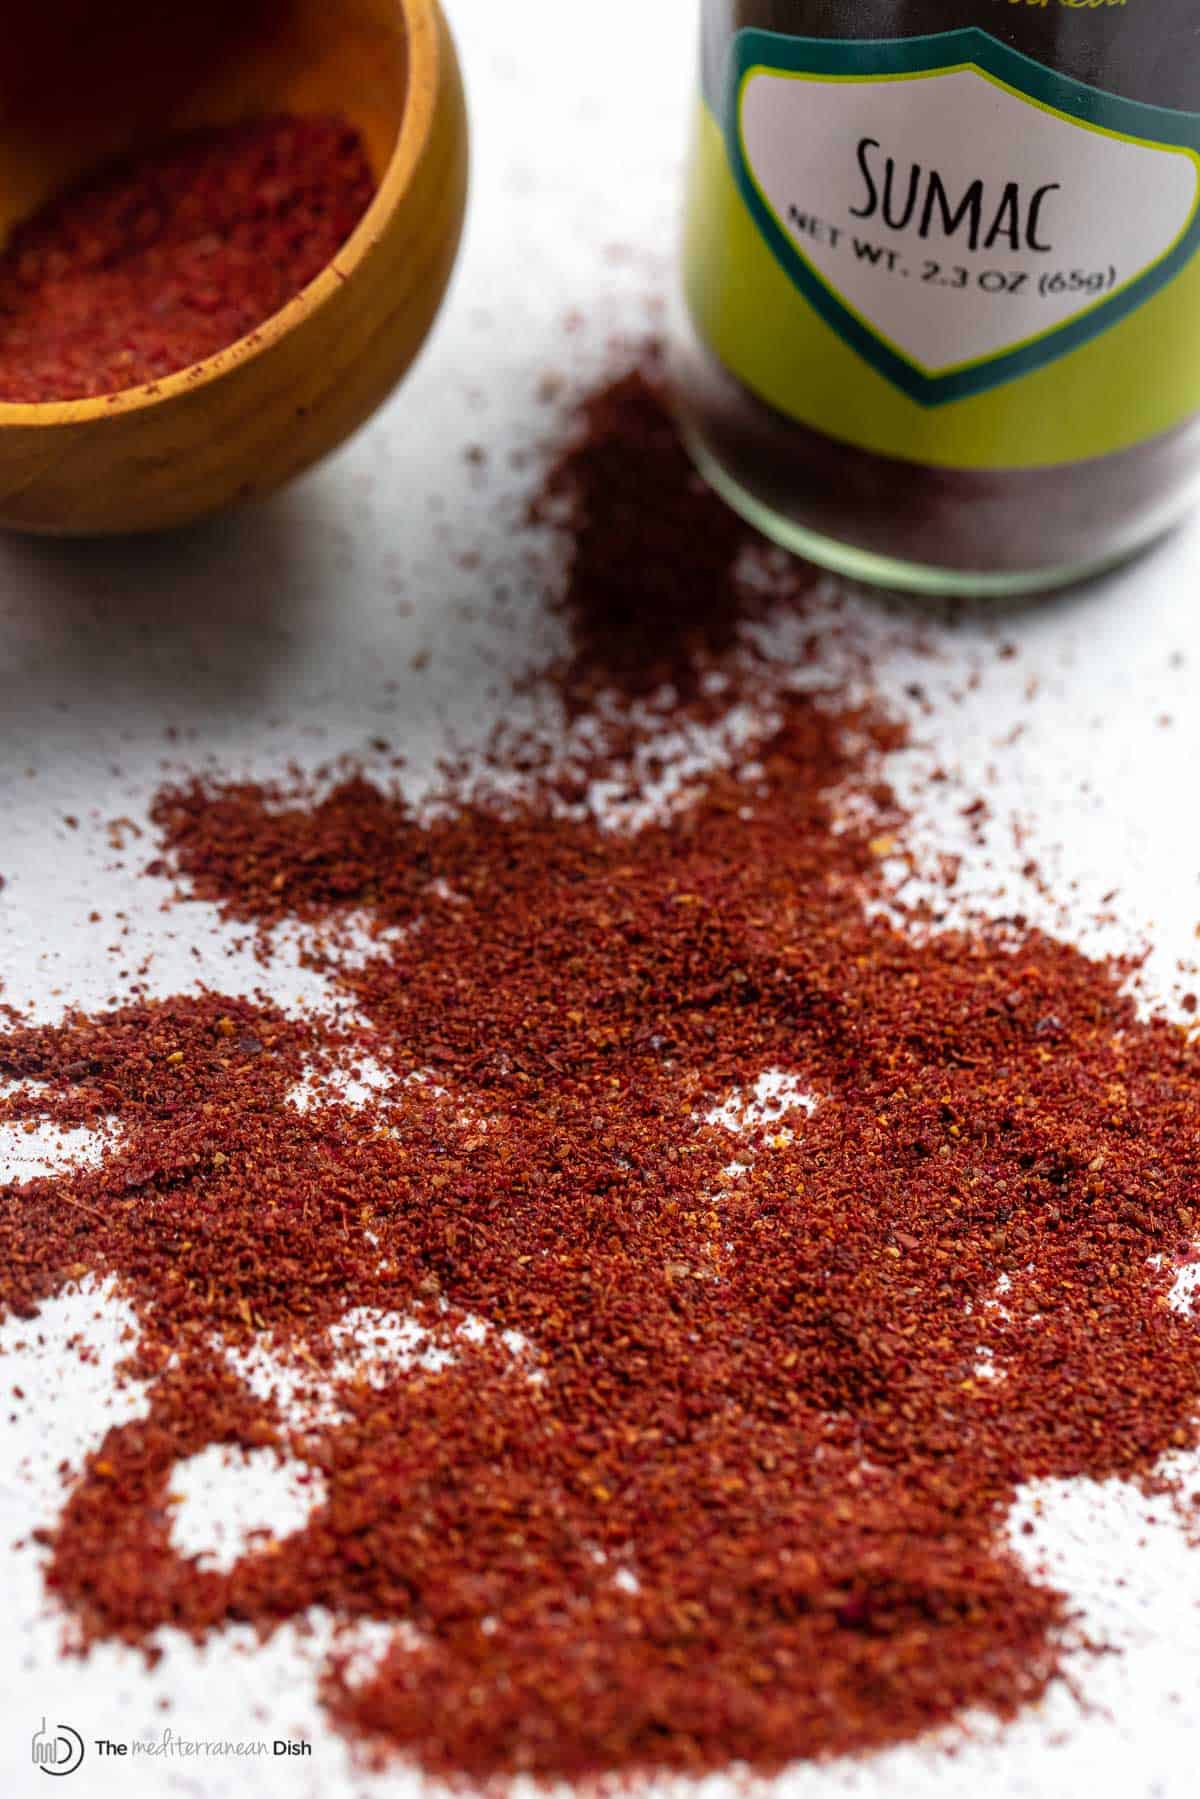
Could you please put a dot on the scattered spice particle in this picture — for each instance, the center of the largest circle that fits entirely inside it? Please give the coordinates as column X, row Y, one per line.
column 653, row 594
column 713, row 1480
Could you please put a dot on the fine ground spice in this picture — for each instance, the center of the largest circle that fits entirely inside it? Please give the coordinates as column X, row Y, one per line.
column 723, row 1475
column 161, row 260
column 651, row 597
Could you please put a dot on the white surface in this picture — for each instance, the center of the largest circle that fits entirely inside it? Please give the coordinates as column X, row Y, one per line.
column 291, row 632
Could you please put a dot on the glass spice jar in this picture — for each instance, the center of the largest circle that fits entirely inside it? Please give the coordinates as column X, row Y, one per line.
column 941, row 312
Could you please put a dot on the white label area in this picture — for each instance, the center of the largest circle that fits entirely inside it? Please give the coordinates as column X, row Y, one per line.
column 955, row 217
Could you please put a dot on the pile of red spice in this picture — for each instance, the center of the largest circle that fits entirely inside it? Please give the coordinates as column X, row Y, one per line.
column 653, row 596
column 161, row 260
column 724, row 1476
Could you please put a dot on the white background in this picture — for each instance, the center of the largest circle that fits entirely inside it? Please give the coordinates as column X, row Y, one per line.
column 292, row 632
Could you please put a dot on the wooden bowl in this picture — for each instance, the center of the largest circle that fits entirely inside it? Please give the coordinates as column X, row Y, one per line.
column 243, row 422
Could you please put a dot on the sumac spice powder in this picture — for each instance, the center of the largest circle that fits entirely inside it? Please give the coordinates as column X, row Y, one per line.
column 720, row 1466
column 161, row 260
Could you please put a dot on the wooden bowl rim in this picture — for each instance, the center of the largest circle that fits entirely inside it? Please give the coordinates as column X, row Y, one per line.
column 419, row 20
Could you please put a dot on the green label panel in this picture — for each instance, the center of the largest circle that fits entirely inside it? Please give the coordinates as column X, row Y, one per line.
column 938, row 249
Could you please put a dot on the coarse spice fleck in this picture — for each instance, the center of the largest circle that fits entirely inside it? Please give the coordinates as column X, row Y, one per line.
column 158, row 261
column 722, row 1473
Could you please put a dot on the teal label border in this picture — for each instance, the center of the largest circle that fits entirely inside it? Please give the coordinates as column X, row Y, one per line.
column 926, row 55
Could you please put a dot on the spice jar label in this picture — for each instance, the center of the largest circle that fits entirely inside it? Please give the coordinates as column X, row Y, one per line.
column 967, row 231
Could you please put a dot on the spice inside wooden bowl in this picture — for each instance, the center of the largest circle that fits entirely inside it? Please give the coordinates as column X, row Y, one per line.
column 338, row 118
